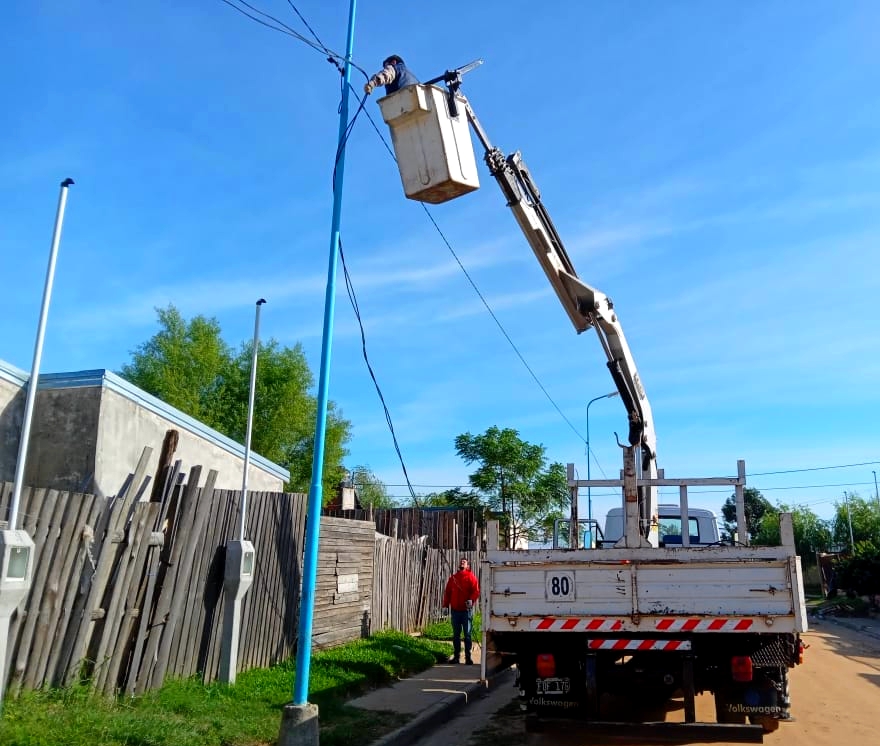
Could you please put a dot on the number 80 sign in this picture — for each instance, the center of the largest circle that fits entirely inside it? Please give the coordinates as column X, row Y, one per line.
column 560, row 586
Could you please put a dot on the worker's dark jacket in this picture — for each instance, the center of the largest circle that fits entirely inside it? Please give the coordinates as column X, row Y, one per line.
column 402, row 78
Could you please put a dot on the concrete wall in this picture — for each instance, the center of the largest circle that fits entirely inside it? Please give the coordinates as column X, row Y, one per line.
column 90, row 427
column 12, row 395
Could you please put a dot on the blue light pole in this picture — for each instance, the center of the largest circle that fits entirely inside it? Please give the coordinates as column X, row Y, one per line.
column 316, row 492
column 589, row 456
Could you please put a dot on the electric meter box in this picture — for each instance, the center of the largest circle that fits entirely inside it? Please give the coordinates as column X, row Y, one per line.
column 16, row 568
column 434, row 151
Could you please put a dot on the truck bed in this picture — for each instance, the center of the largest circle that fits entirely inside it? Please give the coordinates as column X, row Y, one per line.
column 671, row 590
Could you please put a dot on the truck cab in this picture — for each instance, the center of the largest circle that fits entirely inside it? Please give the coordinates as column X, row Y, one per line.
column 702, row 526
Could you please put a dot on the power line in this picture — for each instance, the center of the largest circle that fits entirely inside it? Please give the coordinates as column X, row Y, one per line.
column 306, row 23
column 482, row 297
column 333, row 57
column 814, row 468
column 283, row 28
column 354, row 304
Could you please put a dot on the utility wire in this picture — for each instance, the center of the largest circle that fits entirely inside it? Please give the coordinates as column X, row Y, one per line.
column 814, row 468
column 334, row 59
column 340, row 149
column 306, row 23
column 354, row 304
column 281, row 27
column 482, row 297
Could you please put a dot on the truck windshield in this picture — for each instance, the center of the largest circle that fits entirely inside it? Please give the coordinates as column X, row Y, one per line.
column 670, row 530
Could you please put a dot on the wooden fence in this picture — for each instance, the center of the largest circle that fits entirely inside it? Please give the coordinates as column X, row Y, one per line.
column 128, row 590
column 408, row 582
column 460, row 529
column 344, row 582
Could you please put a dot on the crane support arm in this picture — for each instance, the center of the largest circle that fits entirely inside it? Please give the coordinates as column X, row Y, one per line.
column 585, row 305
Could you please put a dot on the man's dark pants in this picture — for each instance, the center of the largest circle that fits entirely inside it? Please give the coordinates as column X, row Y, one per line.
column 461, row 622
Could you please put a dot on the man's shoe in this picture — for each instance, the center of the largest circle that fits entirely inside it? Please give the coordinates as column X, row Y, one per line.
column 455, row 660
column 469, row 662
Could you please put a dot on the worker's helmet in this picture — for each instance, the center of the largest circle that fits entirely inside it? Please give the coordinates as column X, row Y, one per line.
column 392, row 59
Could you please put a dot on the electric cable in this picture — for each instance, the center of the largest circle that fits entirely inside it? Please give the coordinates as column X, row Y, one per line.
column 813, row 468
column 482, row 297
column 332, row 57
column 354, row 304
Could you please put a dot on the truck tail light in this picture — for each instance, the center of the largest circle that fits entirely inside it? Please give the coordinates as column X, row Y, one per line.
column 800, row 654
column 545, row 665
column 741, row 668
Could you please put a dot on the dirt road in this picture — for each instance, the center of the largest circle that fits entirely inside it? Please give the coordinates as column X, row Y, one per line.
column 835, row 700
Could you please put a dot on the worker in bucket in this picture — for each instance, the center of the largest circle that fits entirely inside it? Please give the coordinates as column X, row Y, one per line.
column 394, row 75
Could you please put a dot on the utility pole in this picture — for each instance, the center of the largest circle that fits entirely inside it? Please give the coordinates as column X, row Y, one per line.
column 299, row 720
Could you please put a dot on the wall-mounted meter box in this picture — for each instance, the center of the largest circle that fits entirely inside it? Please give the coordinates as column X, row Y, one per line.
column 434, row 151
column 16, row 567
column 240, row 565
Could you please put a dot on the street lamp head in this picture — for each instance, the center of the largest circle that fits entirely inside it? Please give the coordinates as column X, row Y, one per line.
column 613, row 394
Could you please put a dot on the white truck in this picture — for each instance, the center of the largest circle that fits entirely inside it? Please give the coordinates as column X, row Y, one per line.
column 702, row 527
column 646, row 620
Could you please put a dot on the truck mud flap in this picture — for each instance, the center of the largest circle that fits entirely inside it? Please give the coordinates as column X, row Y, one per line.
column 663, row 732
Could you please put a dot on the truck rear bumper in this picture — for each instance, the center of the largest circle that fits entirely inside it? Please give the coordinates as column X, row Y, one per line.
column 660, row 731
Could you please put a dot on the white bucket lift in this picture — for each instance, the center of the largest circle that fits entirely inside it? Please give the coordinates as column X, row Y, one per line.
column 434, row 150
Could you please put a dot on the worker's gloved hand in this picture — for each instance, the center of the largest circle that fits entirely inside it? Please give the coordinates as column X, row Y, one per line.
column 368, row 87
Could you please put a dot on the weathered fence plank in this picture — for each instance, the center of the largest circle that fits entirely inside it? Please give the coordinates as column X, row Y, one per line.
column 108, row 601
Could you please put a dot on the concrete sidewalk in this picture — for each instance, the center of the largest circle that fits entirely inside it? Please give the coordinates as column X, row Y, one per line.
column 431, row 696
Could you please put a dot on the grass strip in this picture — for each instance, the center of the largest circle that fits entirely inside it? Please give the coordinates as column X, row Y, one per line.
column 184, row 712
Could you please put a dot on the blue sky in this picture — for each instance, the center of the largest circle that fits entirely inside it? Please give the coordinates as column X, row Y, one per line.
column 713, row 167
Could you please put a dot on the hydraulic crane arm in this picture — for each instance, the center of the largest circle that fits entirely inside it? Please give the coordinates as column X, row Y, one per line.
column 586, row 306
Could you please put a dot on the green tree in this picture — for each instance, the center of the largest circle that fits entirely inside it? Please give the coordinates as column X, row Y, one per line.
column 865, row 517
column 452, row 498
column 811, row 533
column 514, row 476
column 756, row 505
column 371, row 491
column 184, row 364
column 187, row 365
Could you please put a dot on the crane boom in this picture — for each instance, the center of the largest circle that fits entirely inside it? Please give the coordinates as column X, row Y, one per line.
column 585, row 305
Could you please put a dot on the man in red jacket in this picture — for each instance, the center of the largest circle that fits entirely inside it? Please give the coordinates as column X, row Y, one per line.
column 462, row 592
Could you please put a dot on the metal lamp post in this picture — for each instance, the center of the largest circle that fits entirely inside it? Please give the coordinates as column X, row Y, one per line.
column 16, row 547
column 589, row 490
column 876, row 493
column 852, row 543
column 238, row 575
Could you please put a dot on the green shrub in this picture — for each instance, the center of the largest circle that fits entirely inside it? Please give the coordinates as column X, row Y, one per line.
column 859, row 574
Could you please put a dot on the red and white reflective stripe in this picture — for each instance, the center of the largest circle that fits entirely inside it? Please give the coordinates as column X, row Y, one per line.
column 639, row 644
column 666, row 624
column 554, row 624
column 703, row 625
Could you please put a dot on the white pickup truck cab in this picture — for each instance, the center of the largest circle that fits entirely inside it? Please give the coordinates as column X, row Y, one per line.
column 702, row 526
